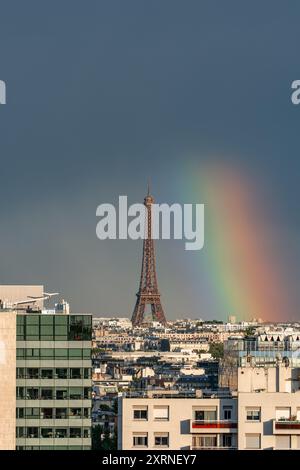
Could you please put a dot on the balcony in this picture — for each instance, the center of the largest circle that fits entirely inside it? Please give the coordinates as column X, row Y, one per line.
column 286, row 426
column 208, row 426
column 213, row 448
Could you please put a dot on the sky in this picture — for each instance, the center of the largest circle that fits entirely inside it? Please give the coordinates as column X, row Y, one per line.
column 196, row 95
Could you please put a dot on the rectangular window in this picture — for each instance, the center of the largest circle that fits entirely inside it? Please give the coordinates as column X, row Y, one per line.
column 87, row 393
column 47, row 353
column 253, row 414
column 206, row 415
column 32, row 432
column 20, row 373
column 20, row 432
column 46, row 394
column 46, row 328
column 32, row 393
column 283, row 414
column 86, row 353
column 86, row 433
column 75, row 328
column 32, row 353
column 61, row 413
column 61, row 353
column 75, row 373
column 61, row 373
column 32, row 328
column 75, row 393
column 47, row 413
column 140, row 413
column 282, row 442
column 47, row 433
column 204, row 441
column 75, row 353
column 20, row 413
column 75, row 432
column 86, row 412
column 140, row 440
column 75, row 413
column 47, row 373
column 161, row 439
column 227, row 413
column 20, row 327
column 60, row 433
column 20, row 393
column 20, row 353
column 226, row 440
column 161, row 413
column 61, row 393
column 252, row 441
column 32, row 373
column 32, row 413
column 87, row 373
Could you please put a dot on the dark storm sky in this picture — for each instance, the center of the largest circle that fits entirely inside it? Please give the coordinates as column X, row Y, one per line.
column 103, row 94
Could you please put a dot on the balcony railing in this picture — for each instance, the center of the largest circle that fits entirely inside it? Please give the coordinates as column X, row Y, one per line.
column 213, row 448
column 217, row 424
column 287, row 424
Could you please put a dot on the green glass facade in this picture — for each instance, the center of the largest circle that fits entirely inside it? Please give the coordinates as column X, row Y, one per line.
column 53, row 381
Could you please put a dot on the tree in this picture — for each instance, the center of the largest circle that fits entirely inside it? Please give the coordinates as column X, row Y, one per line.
column 96, row 437
column 249, row 331
column 216, row 350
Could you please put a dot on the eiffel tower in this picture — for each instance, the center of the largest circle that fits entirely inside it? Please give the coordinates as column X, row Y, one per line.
column 148, row 293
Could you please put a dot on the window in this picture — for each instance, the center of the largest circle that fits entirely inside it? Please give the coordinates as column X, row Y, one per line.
column 32, row 353
column 20, row 431
column 75, row 412
column 87, row 373
column 47, row 353
column 20, row 413
column 47, row 413
column 161, row 439
column 227, row 412
column 205, row 440
column 75, row 393
column 75, row 328
column 226, row 440
column 32, row 393
column 61, row 413
column 61, row 353
column 20, row 393
column 47, row 373
column 61, row 373
column 140, row 440
column 75, row 353
column 46, row 328
column 86, row 432
column 161, row 413
column 32, row 433
column 75, row 432
column 32, row 373
column 46, row 394
column 46, row 433
column 282, row 414
column 209, row 414
column 86, row 412
column 140, row 413
column 253, row 414
column 20, row 353
column 61, row 394
column 87, row 393
column 252, row 441
column 60, row 433
column 61, row 328
column 20, row 328
column 32, row 327
column 20, row 373
column 32, row 413
column 282, row 442
column 86, row 353
column 75, row 373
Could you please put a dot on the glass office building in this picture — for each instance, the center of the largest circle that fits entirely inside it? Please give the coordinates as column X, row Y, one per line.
column 53, row 382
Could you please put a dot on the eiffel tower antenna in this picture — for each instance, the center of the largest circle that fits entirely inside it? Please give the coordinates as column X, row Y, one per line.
column 148, row 293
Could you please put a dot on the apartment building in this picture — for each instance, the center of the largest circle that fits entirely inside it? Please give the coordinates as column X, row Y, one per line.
column 53, row 394
column 45, row 394
column 264, row 413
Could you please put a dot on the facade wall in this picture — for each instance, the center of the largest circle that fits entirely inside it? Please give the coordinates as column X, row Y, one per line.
column 8, row 380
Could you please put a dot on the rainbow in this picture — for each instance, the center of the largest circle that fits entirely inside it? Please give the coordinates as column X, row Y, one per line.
column 244, row 270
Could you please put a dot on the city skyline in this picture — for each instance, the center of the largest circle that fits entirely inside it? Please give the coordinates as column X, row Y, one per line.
column 203, row 95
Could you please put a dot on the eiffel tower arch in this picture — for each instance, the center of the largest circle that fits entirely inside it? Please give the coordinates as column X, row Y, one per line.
column 148, row 293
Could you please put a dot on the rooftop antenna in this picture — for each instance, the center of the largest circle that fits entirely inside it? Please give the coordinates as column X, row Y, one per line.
column 148, row 194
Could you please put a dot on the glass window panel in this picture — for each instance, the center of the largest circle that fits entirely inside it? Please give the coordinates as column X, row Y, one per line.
column 20, row 353
column 86, row 353
column 47, row 433
column 75, row 432
column 46, row 394
column 61, row 393
column 61, row 373
column 75, row 393
column 60, row 433
column 32, row 373
column 61, row 413
column 47, row 373
column 61, row 353
column 47, row 413
column 75, row 353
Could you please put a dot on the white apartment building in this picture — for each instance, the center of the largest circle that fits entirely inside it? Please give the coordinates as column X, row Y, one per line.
column 263, row 414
